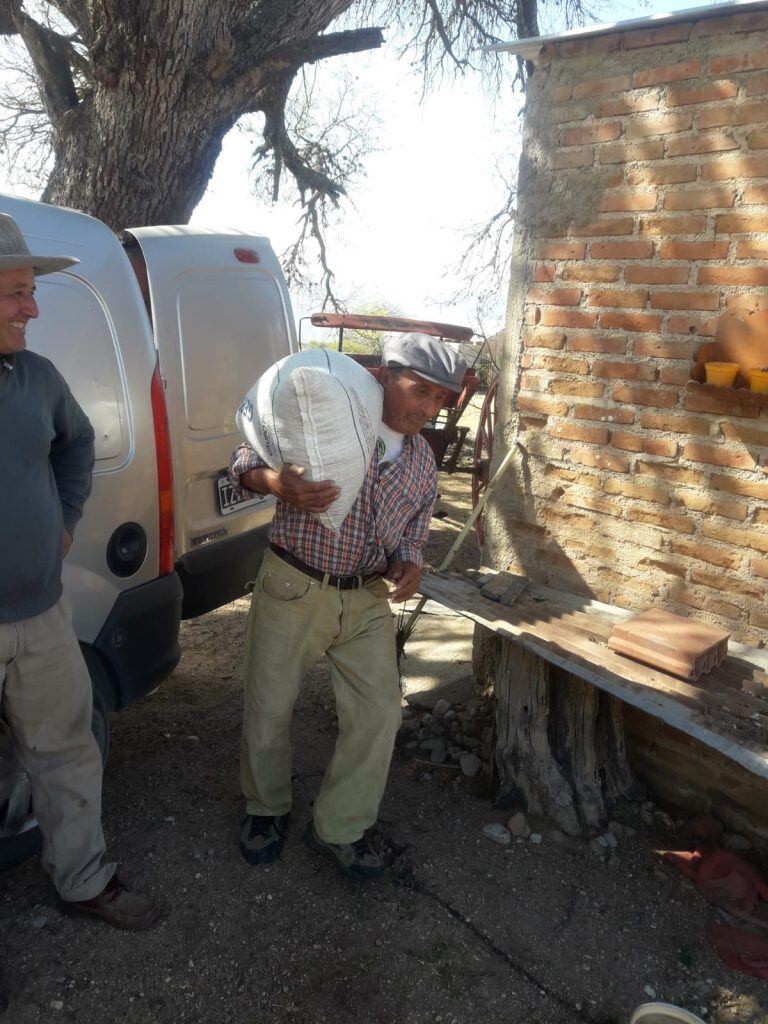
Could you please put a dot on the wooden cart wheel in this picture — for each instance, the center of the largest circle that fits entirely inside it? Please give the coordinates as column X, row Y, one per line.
column 484, row 452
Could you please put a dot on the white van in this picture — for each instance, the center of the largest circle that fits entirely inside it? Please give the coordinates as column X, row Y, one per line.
column 158, row 341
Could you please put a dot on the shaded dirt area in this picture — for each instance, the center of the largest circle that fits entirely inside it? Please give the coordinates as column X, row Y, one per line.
column 460, row 930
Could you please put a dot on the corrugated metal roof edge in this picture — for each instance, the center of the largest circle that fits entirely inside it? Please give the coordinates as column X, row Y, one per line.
column 530, row 47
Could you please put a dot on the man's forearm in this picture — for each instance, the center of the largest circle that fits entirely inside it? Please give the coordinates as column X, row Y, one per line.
column 262, row 480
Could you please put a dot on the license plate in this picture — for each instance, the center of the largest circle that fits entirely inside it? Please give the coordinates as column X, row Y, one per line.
column 232, row 499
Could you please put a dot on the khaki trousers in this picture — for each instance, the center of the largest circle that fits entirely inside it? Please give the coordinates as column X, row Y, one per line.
column 293, row 621
column 45, row 697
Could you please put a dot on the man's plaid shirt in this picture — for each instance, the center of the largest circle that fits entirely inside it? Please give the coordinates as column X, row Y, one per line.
column 388, row 522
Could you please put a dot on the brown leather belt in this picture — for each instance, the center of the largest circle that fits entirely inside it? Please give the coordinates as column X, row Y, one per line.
column 337, row 582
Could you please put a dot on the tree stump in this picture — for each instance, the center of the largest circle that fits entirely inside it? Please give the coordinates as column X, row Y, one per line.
column 559, row 748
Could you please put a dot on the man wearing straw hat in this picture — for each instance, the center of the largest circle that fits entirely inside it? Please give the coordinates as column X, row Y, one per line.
column 318, row 593
column 46, row 460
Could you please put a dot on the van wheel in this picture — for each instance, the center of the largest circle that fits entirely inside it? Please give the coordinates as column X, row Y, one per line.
column 19, row 834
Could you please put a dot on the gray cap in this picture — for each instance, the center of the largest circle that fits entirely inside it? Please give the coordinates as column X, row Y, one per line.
column 429, row 357
column 15, row 255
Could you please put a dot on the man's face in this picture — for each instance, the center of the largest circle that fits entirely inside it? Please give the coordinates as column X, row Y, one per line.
column 17, row 308
column 409, row 400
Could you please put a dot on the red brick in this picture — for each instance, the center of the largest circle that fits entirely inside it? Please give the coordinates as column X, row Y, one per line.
column 733, row 114
column 744, row 434
column 616, row 299
column 658, row 398
column 723, row 557
column 622, row 370
column 562, row 250
column 713, row 505
column 694, row 250
column 571, row 159
column 568, row 113
column 725, row 584
column 567, row 318
column 758, row 139
column 685, row 300
column 660, row 348
column 626, row 441
column 722, row 401
column 706, row 326
column 633, row 201
column 636, row 250
column 751, row 276
column 577, row 388
column 544, row 273
column 737, row 167
column 531, row 382
column 668, row 567
column 563, row 364
column 758, row 618
column 663, row 520
column 544, row 405
column 588, row 136
column 555, row 296
column 644, row 322
column 622, row 105
column 669, row 474
column 723, row 609
column 661, row 36
column 735, row 485
column 748, row 60
column 752, row 249
column 674, row 374
column 738, row 538
column 754, row 194
column 609, row 226
column 759, row 567
column 718, row 455
column 561, row 93
column 682, row 97
column 675, row 424
column 665, row 174
column 622, row 153
column 672, row 225
column 699, row 199
column 752, row 302
column 666, row 73
column 579, row 432
column 660, row 446
column 639, row 491
column 600, row 460
column 592, row 343
column 590, row 46
column 738, row 22
column 591, row 502
column 659, row 124
column 757, row 85
column 602, row 86
column 545, row 339
column 656, row 275
column 591, row 273
column 701, row 142
column 741, row 223
column 605, row 414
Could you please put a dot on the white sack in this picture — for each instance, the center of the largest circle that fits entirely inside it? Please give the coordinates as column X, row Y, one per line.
column 319, row 410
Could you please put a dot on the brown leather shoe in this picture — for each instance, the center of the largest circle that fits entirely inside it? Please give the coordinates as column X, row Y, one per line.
column 118, row 907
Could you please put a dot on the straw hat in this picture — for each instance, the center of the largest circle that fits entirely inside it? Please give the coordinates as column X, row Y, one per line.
column 15, row 255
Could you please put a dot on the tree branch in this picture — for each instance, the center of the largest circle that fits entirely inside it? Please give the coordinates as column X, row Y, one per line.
column 50, row 55
column 9, row 11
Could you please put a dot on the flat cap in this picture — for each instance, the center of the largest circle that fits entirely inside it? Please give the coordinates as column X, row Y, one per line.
column 429, row 357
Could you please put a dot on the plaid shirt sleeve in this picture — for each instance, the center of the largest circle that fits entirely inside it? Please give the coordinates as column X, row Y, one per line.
column 243, row 458
column 417, row 530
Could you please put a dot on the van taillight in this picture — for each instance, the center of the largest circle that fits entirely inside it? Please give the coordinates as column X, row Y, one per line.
column 164, row 474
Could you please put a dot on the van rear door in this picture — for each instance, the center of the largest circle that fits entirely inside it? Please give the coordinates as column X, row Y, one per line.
column 221, row 316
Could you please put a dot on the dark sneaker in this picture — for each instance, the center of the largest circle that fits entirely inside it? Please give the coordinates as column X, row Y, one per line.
column 262, row 838
column 117, row 906
column 354, row 860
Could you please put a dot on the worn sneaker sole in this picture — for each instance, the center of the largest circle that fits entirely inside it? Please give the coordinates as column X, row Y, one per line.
column 356, row 874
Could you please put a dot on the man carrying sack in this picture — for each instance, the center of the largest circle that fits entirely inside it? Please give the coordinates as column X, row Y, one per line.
column 45, row 691
column 323, row 592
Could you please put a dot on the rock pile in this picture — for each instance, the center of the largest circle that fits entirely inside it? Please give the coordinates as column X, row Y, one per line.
column 449, row 734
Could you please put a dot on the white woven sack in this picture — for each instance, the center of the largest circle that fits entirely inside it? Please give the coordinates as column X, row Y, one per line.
column 319, row 410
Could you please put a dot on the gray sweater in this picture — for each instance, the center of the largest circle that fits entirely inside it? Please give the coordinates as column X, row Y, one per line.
column 46, row 458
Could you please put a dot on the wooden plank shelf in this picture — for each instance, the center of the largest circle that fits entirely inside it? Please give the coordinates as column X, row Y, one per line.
column 727, row 709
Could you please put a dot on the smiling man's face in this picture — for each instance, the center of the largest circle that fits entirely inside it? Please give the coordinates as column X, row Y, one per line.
column 17, row 308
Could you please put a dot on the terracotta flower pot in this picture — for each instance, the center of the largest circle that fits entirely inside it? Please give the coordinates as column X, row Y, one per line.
column 722, row 375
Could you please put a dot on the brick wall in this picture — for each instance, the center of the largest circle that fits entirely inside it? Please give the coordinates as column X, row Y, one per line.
column 643, row 216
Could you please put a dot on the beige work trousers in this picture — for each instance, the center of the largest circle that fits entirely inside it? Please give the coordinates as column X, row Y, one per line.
column 293, row 621
column 45, row 697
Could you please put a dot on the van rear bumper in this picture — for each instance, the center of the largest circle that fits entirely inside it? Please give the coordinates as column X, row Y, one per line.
column 140, row 639
column 215, row 574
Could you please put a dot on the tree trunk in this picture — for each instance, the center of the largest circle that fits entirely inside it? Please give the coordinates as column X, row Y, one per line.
column 559, row 748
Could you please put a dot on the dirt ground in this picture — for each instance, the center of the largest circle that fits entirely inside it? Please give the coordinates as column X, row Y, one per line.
column 461, row 929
